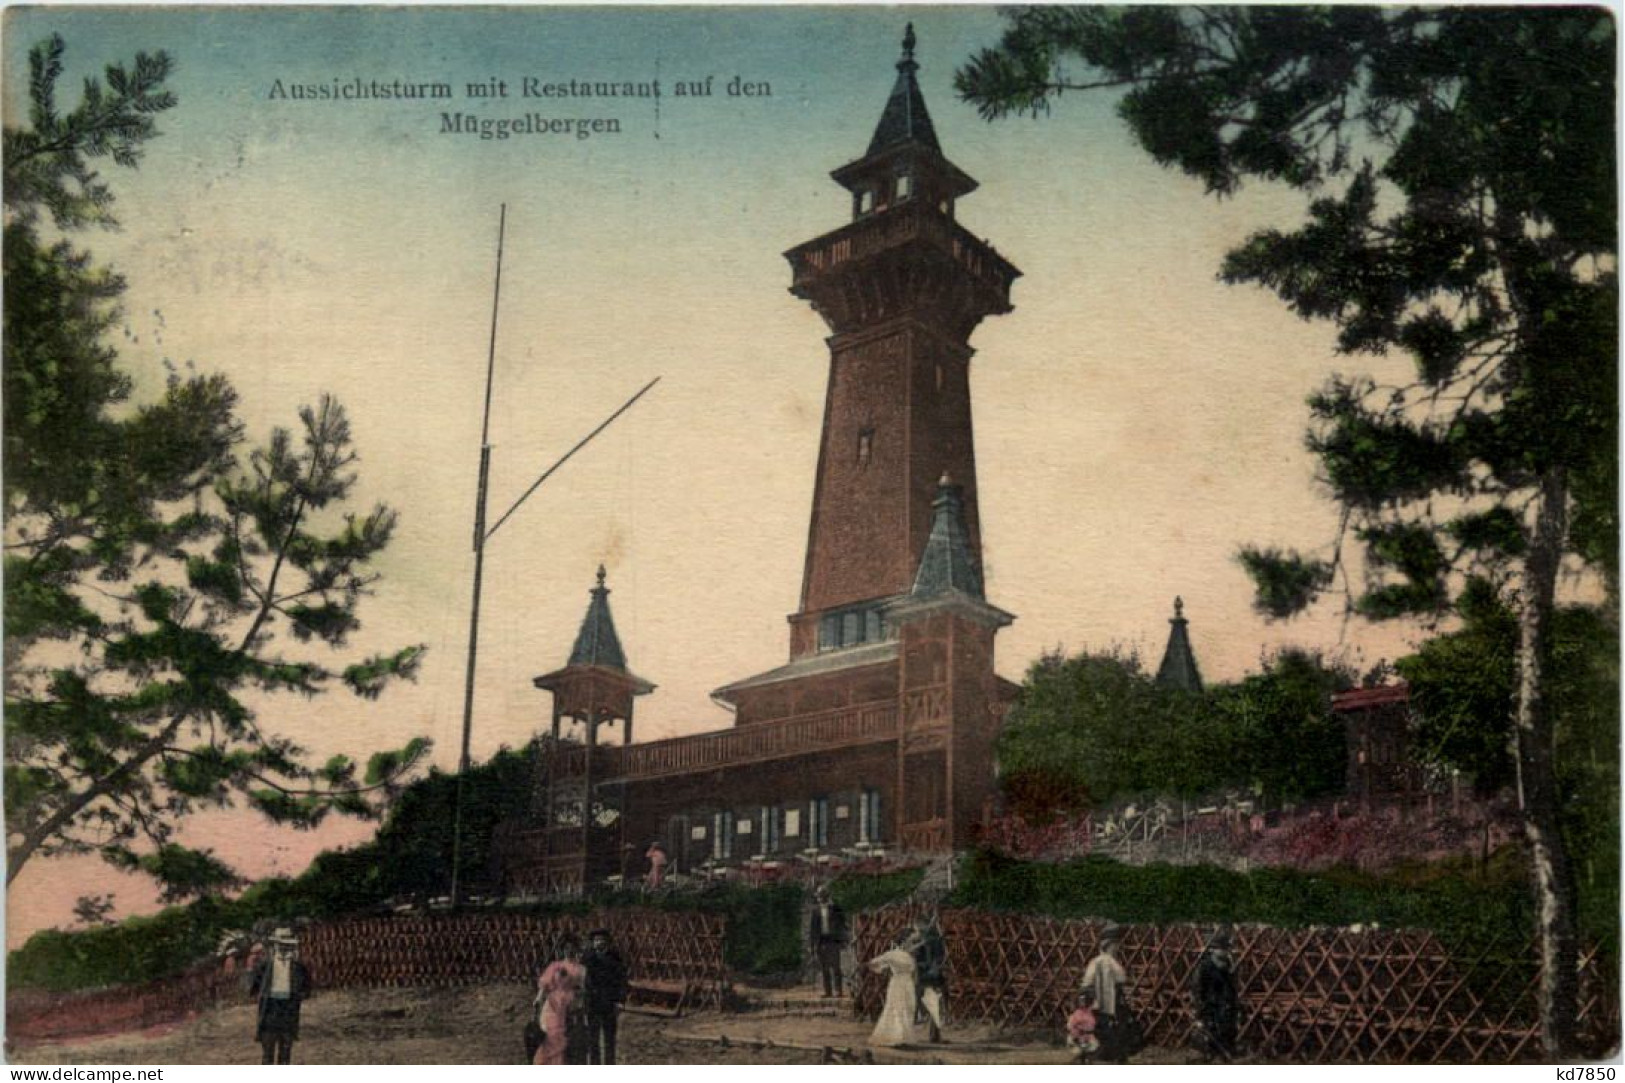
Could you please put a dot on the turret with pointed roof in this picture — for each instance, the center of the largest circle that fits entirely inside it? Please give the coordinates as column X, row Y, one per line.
column 595, row 686
column 1178, row 669
column 905, row 119
column 596, row 643
column 949, row 574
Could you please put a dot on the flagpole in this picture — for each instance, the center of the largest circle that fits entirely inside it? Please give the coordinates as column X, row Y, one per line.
column 479, row 573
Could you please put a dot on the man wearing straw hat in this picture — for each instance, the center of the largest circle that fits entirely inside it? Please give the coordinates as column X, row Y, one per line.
column 281, row 982
column 1105, row 989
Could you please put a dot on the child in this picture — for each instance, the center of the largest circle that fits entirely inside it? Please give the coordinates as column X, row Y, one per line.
column 1080, row 1029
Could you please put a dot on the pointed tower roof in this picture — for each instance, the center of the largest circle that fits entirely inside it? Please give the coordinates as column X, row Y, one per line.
column 906, row 139
column 905, row 119
column 1178, row 669
column 948, row 575
column 597, row 650
column 596, row 643
column 947, row 563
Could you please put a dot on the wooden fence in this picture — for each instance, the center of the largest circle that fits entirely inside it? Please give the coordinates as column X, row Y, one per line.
column 459, row 949
column 672, row 952
column 1307, row 995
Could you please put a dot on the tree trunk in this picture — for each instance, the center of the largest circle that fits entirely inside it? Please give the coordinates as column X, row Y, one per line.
column 1553, row 878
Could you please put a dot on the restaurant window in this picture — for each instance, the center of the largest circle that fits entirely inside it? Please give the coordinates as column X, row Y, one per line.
column 818, row 822
column 869, row 816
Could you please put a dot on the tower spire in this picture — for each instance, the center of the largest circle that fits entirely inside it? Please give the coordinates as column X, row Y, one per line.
column 948, row 564
column 1178, row 669
column 596, row 643
column 905, row 120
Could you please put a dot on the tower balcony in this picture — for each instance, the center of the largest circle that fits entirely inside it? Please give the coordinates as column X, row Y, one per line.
column 736, row 747
column 907, row 257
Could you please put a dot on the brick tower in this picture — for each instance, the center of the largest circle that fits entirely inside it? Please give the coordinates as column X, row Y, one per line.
column 902, row 286
column 892, row 605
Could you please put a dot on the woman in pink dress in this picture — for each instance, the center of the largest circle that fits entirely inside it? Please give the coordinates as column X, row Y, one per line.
column 557, row 989
column 657, row 866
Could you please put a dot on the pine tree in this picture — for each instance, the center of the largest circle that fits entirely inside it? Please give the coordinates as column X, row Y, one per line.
column 1459, row 169
column 149, row 566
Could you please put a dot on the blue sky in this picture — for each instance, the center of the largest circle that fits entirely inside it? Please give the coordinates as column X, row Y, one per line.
column 1135, row 419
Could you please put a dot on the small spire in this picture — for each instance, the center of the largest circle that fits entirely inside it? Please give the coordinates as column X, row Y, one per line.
column 1179, row 669
column 905, row 120
column 1179, row 603
column 947, row 564
column 596, row 643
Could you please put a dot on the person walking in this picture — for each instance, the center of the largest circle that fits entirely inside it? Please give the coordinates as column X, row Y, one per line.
column 826, row 936
column 1105, row 991
column 656, row 855
column 930, row 960
column 558, row 989
column 1218, row 1004
column 606, row 992
column 281, row 982
column 896, row 1024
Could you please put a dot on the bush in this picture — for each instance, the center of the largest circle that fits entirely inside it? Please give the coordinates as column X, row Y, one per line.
column 1464, row 910
column 861, row 891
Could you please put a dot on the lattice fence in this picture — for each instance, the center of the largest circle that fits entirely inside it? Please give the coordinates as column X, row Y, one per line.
column 682, row 950
column 458, row 949
column 1309, row 995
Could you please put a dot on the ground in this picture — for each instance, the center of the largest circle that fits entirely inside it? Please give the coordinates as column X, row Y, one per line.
column 482, row 1025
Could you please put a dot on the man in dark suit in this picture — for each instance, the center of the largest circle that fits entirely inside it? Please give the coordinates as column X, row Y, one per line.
column 606, row 992
column 826, row 936
column 281, row 982
column 930, row 982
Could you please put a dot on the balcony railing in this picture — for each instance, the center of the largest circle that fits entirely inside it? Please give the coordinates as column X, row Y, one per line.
column 890, row 229
column 741, row 745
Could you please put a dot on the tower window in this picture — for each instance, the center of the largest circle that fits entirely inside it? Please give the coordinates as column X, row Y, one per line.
column 851, row 628
column 866, row 201
column 829, row 632
column 905, row 186
column 866, row 446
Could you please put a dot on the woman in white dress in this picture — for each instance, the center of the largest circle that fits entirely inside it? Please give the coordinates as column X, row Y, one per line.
column 896, row 1026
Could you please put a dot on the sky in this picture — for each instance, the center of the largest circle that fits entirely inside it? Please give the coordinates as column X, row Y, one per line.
column 1135, row 419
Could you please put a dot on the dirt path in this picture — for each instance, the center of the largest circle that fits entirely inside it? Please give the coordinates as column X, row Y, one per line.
column 473, row 1025
column 482, row 1025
